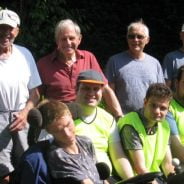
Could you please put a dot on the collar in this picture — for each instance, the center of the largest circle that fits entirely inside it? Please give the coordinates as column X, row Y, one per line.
column 151, row 130
column 55, row 53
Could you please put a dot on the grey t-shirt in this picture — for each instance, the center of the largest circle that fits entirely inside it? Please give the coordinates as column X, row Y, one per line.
column 172, row 61
column 76, row 166
column 130, row 137
column 132, row 78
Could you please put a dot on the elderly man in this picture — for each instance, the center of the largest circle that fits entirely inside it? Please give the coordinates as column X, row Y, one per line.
column 18, row 93
column 145, row 133
column 176, row 117
column 60, row 69
column 131, row 72
column 172, row 61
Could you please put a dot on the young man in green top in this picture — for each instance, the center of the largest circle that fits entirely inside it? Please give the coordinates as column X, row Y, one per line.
column 145, row 134
column 97, row 124
column 176, row 117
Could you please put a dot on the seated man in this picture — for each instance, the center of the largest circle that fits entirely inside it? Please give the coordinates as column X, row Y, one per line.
column 70, row 158
column 97, row 124
column 145, row 134
column 176, row 117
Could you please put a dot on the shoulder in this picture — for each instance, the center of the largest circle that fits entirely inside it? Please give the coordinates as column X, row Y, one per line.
column 151, row 58
column 47, row 58
column 118, row 56
column 172, row 53
column 85, row 53
column 21, row 49
column 104, row 112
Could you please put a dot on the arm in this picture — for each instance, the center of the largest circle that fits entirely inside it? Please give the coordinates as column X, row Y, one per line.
column 117, row 155
column 21, row 117
column 120, row 161
column 167, row 166
column 112, row 102
column 176, row 146
column 138, row 161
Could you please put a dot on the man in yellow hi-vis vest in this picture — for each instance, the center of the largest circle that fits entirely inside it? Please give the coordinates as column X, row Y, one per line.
column 176, row 117
column 145, row 133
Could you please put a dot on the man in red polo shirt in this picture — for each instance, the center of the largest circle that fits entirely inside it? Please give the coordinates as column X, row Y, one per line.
column 60, row 69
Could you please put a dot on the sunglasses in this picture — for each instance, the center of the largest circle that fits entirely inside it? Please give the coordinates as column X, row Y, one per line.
column 133, row 36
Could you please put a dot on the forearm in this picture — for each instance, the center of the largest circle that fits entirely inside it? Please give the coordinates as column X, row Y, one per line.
column 112, row 102
column 120, row 161
column 167, row 166
column 34, row 97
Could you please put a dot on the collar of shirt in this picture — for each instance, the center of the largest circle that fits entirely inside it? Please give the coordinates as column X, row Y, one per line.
column 151, row 130
column 55, row 53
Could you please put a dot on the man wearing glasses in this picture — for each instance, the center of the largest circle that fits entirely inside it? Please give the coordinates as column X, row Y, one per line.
column 131, row 72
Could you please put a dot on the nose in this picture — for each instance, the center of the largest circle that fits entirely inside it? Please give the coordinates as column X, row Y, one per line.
column 67, row 132
column 157, row 110
column 68, row 41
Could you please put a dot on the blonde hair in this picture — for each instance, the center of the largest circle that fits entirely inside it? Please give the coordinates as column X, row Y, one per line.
column 52, row 110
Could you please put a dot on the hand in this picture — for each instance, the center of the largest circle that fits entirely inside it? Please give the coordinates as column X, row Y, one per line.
column 20, row 121
column 154, row 182
column 86, row 181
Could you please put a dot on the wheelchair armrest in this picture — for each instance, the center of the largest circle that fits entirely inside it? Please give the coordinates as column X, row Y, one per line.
column 142, row 178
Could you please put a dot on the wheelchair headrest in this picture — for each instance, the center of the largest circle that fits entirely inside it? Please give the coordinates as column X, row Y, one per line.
column 35, row 118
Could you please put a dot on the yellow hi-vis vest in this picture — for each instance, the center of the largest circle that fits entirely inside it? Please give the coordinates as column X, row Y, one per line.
column 178, row 112
column 99, row 132
column 154, row 146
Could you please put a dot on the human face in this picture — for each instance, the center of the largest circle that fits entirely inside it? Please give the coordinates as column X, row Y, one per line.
column 155, row 109
column 180, row 89
column 89, row 94
column 137, row 39
column 7, row 35
column 63, row 130
column 68, row 41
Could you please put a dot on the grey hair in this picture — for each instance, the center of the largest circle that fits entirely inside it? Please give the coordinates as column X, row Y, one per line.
column 138, row 24
column 61, row 25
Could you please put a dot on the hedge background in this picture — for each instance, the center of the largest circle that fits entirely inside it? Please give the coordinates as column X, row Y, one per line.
column 103, row 24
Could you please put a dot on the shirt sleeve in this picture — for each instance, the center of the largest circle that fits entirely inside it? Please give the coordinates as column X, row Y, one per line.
column 114, row 134
column 130, row 138
column 172, row 124
column 167, row 68
column 109, row 71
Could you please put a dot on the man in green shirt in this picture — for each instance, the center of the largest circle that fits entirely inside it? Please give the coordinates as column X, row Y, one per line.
column 145, row 134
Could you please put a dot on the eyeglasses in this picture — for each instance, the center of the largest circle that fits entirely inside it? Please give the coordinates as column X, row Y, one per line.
column 133, row 36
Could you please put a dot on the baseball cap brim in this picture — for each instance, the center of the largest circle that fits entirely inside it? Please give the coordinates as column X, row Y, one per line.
column 12, row 24
column 91, row 81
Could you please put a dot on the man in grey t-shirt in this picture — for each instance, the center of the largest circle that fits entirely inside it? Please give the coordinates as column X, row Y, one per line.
column 172, row 61
column 131, row 72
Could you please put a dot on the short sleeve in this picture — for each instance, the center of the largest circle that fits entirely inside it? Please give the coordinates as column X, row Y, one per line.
column 172, row 124
column 167, row 68
column 130, row 138
column 114, row 134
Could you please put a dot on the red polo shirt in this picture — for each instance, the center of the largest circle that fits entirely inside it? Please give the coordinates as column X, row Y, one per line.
column 59, row 80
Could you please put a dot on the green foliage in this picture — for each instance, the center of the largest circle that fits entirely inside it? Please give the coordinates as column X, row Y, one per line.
column 103, row 24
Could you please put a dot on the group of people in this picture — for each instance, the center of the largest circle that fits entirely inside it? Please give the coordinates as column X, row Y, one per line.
column 134, row 134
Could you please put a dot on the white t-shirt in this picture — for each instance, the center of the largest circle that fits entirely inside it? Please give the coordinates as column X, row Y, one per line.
column 18, row 74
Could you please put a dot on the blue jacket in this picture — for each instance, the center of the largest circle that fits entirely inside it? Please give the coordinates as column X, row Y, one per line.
column 33, row 168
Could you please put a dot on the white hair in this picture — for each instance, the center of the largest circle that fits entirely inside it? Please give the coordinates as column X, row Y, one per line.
column 138, row 24
column 64, row 24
